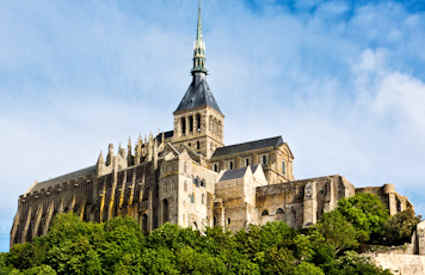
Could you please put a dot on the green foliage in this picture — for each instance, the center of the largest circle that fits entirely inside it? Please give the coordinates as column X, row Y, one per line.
column 366, row 213
column 399, row 228
column 338, row 232
column 354, row 264
column 306, row 268
column 119, row 247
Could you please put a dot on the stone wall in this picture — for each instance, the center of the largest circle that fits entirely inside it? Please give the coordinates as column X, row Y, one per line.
column 303, row 202
column 391, row 199
column 401, row 264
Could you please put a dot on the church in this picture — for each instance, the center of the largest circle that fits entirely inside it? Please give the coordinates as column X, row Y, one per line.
column 189, row 177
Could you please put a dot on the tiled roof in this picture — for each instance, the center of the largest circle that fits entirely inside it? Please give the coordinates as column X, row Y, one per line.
column 248, row 146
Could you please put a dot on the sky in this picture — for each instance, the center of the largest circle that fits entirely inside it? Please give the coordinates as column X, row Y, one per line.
column 342, row 81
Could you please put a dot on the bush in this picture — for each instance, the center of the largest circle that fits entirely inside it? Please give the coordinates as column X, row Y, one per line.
column 119, row 247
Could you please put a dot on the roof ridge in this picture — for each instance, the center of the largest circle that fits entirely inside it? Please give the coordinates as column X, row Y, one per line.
column 251, row 141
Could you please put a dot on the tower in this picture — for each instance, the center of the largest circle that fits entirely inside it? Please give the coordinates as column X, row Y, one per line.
column 198, row 121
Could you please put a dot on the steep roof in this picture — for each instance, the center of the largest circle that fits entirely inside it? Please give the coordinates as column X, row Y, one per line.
column 248, row 146
column 198, row 95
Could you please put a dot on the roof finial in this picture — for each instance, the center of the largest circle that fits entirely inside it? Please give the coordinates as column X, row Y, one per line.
column 199, row 48
column 199, row 28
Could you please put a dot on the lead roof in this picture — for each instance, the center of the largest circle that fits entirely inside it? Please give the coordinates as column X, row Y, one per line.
column 198, row 95
column 248, row 146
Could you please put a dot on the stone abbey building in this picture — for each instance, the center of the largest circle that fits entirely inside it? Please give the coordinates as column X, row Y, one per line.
column 188, row 176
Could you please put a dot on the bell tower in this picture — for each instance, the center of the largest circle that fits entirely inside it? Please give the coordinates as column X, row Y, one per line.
column 198, row 121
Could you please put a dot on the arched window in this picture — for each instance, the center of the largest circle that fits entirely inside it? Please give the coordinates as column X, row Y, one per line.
column 265, row 213
column 228, row 220
column 283, row 167
column 145, row 223
column 264, row 159
column 165, row 211
column 215, row 167
column 183, row 125
column 279, row 211
column 198, row 123
column 191, row 124
column 247, row 162
column 231, row 165
column 198, row 145
column 215, row 221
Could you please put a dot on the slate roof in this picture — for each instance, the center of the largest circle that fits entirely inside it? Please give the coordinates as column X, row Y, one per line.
column 167, row 134
column 233, row 174
column 64, row 178
column 248, row 146
column 198, row 95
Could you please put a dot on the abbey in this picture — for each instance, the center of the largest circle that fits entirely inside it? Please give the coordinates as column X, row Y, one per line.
column 188, row 176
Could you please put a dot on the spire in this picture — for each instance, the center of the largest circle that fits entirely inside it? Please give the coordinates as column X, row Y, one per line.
column 199, row 48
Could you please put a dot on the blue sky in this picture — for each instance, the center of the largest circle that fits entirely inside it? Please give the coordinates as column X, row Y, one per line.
column 342, row 81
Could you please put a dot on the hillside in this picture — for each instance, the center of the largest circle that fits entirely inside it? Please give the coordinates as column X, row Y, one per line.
column 333, row 246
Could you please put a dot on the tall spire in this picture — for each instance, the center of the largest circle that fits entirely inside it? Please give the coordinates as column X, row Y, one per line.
column 199, row 48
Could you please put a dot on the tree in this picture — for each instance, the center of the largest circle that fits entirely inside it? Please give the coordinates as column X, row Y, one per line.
column 352, row 263
column 338, row 232
column 399, row 228
column 366, row 213
column 306, row 268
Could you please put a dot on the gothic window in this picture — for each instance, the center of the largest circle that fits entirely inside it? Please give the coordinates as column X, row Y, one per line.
column 183, row 125
column 265, row 213
column 191, row 124
column 247, row 162
column 231, row 165
column 215, row 167
column 198, row 123
column 198, row 145
column 283, row 167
